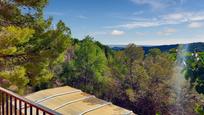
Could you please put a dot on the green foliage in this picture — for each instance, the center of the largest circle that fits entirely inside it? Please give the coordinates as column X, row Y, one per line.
column 12, row 37
column 195, row 71
column 199, row 110
column 154, row 52
column 134, row 54
column 159, row 67
column 155, row 66
column 32, row 54
column 30, row 50
column 131, row 94
column 89, row 70
column 16, row 77
column 90, row 58
column 34, row 4
column 127, row 78
column 21, row 12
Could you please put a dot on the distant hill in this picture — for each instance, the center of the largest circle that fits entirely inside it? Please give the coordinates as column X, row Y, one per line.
column 192, row 47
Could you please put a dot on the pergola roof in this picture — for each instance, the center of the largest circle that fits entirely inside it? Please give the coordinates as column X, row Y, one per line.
column 70, row 101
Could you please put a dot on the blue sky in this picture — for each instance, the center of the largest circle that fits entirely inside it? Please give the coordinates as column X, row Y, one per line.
column 143, row 22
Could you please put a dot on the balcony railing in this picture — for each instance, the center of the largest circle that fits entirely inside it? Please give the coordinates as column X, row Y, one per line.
column 13, row 104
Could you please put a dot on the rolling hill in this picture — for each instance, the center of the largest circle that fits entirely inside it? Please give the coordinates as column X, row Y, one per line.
column 199, row 46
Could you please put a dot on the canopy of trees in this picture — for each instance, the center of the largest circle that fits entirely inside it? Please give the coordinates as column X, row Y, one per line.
column 33, row 56
column 29, row 47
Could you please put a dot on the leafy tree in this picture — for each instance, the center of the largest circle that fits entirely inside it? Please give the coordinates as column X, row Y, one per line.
column 34, row 54
column 160, row 67
column 49, row 49
column 133, row 55
column 136, row 76
column 108, row 51
column 154, row 52
column 131, row 78
column 90, row 67
column 21, row 12
column 30, row 50
column 194, row 72
column 11, row 56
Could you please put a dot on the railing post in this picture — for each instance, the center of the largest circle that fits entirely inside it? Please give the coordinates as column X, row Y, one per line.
column 20, row 109
column 11, row 106
column 2, row 102
column 7, row 104
column 15, row 106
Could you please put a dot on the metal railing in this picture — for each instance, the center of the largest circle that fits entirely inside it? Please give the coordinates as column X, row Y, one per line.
column 13, row 104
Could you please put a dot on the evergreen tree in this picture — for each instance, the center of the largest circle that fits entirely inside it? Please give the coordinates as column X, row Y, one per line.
column 90, row 67
column 29, row 48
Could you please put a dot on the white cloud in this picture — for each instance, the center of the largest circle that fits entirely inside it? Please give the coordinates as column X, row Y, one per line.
column 133, row 25
column 138, row 12
column 82, row 17
column 104, row 33
column 169, row 19
column 167, row 31
column 199, row 17
column 195, row 25
column 117, row 33
column 174, row 16
column 184, row 17
column 158, row 4
column 153, row 3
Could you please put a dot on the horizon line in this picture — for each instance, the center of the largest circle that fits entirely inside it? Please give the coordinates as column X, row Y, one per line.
column 152, row 44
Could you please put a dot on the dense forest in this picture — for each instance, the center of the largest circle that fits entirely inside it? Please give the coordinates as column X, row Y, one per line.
column 34, row 56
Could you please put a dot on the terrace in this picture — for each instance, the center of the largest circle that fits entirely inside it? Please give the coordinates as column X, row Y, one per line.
column 56, row 101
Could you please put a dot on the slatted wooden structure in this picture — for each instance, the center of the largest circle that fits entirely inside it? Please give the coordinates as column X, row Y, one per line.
column 70, row 101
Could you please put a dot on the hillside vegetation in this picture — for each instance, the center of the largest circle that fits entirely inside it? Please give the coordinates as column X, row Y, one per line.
column 35, row 56
column 164, row 48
